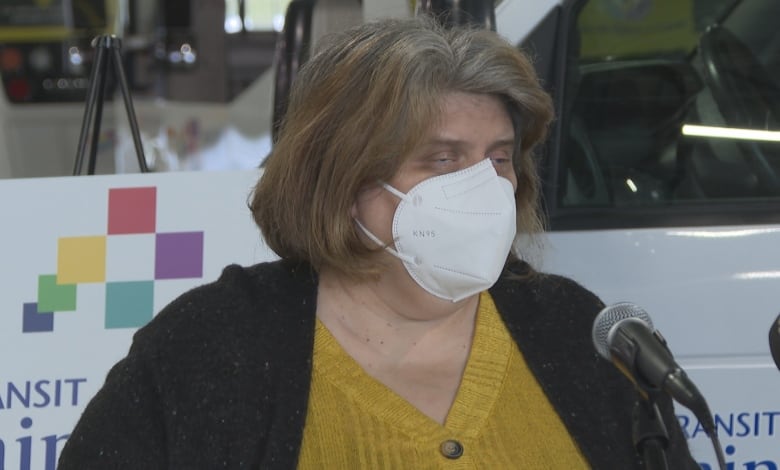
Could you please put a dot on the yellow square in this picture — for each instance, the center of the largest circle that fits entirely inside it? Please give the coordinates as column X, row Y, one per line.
column 81, row 259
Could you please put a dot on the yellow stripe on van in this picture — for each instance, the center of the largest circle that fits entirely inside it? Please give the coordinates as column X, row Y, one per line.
column 36, row 33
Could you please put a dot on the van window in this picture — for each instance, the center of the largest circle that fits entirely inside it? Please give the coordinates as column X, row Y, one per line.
column 671, row 103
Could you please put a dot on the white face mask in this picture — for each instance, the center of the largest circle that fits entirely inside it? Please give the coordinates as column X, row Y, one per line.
column 453, row 232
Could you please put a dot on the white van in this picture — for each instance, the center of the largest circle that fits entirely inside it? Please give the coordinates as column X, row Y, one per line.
column 662, row 185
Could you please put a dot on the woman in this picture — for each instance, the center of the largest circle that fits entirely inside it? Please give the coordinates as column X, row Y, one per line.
column 397, row 331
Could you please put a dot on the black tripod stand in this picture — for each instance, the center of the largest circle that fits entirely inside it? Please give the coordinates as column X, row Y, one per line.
column 107, row 50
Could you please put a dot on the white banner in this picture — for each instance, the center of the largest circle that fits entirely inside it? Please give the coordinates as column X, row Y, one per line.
column 85, row 261
column 743, row 399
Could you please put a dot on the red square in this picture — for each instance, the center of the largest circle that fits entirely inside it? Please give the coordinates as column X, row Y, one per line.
column 132, row 210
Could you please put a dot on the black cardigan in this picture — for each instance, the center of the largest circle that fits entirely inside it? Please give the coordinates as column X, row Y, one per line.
column 220, row 378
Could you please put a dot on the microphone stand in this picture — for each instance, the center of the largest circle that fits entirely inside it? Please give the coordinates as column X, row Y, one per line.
column 107, row 50
column 650, row 435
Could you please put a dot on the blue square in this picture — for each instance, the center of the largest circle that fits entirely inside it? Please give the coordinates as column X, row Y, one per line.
column 34, row 321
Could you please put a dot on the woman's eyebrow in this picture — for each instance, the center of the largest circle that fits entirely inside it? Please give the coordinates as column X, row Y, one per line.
column 445, row 141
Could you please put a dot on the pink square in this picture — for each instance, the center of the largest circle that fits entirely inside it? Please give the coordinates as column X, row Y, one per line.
column 132, row 210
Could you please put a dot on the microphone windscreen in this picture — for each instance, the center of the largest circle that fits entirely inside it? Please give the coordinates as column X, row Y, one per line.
column 609, row 317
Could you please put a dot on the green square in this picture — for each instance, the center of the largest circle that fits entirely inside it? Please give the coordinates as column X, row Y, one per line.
column 53, row 297
column 129, row 304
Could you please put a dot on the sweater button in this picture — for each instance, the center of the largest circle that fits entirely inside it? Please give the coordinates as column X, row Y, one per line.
column 451, row 449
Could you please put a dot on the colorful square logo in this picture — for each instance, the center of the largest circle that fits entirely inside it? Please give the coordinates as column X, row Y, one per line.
column 129, row 259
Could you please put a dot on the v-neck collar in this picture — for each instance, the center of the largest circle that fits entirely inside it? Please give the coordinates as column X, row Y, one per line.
column 479, row 389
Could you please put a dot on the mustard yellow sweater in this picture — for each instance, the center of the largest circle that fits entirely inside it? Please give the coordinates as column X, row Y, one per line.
column 500, row 418
column 220, row 379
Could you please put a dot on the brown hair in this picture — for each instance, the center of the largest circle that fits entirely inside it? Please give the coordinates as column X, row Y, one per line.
column 361, row 103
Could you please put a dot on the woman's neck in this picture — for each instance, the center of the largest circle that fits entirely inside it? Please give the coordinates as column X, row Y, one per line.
column 394, row 318
column 414, row 343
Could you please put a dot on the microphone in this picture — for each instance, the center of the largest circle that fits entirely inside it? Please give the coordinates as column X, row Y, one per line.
column 774, row 341
column 624, row 334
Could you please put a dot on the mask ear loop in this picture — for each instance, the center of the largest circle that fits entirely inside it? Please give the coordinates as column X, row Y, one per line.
column 395, row 192
column 391, row 250
column 375, row 239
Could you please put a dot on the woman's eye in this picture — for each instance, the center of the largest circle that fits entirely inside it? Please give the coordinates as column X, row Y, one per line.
column 500, row 158
column 444, row 158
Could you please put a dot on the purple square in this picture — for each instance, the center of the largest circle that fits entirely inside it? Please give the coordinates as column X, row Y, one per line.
column 34, row 321
column 178, row 255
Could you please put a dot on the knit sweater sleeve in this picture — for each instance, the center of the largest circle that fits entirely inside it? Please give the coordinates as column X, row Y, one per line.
column 122, row 426
column 218, row 379
column 127, row 425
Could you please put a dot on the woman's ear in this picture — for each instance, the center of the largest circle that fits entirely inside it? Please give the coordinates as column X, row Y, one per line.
column 366, row 193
